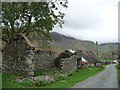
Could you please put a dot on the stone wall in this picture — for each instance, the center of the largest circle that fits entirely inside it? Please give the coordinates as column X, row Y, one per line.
column 44, row 60
column 79, row 59
column 68, row 64
column 15, row 54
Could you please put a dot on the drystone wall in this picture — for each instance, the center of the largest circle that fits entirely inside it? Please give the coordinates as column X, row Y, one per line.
column 68, row 64
column 16, row 56
column 44, row 60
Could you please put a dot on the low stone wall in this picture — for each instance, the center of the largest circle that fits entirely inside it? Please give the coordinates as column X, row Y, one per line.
column 68, row 64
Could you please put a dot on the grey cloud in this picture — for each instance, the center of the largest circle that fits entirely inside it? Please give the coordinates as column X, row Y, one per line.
column 80, row 16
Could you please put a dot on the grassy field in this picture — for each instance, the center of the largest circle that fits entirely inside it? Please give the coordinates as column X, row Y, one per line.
column 70, row 80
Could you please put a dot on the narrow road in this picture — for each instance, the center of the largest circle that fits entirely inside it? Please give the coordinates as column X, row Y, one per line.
column 104, row 79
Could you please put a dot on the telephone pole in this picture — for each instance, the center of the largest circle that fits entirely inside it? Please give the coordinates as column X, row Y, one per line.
column 97, row 54
column 97, row 49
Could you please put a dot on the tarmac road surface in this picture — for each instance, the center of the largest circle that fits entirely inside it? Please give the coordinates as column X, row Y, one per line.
column 104, row 79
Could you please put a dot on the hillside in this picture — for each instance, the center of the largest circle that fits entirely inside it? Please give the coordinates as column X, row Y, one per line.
column 65, row 42
column 109, row 47
column 109, row 50
column 106, row 50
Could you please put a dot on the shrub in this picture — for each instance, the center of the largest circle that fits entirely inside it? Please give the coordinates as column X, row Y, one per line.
column 77, row 70
column 27, row 82
column 39, row 82
column 59, row 77
column 118, row 66
column 70, row 73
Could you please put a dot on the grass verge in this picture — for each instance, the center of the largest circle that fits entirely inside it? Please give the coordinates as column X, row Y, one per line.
column 8, row 80
column 74, row 78
column 118, row 69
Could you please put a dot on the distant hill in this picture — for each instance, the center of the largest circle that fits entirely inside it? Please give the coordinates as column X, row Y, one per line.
column 109, row 46
column 109, row 50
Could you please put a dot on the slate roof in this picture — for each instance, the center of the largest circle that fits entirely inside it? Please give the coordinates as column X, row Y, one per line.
column 88, row 55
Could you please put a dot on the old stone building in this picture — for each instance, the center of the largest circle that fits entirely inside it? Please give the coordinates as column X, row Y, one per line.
column 66, row 61
column 16, row 55
column 68, row 64
column 24, row 57
column 69, row 61
column 87, row 55
column 21, row 56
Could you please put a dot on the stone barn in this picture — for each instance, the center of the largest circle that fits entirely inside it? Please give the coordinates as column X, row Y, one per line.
column 70, row 60
column 21, row 56
column 66, row 61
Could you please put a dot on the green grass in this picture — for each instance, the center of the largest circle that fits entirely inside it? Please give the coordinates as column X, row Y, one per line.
column 47, row 72
column 118, row 69
column 106, row 60
column 119, row 77
column 61, row 82
column 75, row 77
column 8, row 81
column 0, row 81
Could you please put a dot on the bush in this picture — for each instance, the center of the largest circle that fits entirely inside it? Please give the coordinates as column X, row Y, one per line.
column 27, row 82
column 77, row 70
column 59, row 77
column 71, row 73
column 39, row 82
column 118, row 66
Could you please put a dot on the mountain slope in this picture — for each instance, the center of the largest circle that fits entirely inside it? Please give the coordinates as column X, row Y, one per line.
column 65, row 42
column 106, row 50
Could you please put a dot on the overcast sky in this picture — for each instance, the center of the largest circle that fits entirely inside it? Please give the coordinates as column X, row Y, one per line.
column 94, row 20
